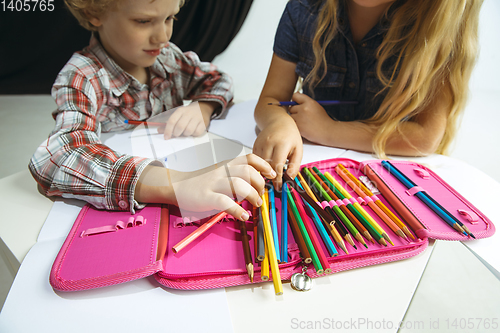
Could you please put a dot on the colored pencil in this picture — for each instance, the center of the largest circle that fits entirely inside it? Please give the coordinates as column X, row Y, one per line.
column 310, row 247
column 284, row 224
column 260, row 251
column 145, row 122
column 264, row 265
column 338, row 225
column 255, row 219
column 333, row 231
column 373, row 227
column 321, row 229
column 379, row 203
column 304, row 252
column 424, row 197
column 346, row 209
column 198, row 232
column 321, row 212
column 246, row 249
column 356, row 206
column 335, row 208
column 310, row 230
column 271, row 251
column 274, row 223
column 289, row 103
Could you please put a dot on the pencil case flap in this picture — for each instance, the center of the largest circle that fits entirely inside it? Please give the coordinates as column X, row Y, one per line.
column 412, row 207
column 213, row 260
column 108, row 247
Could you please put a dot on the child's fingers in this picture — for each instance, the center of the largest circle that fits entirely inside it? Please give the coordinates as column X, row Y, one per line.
column 257, row 162
column 189, row 127
column 243, row 190
column 200, row 130
column 234, row 209
column 294, row 162
column 248, row 174
column 171, row 124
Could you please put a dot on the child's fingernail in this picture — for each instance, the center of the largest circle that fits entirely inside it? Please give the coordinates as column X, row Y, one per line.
column 244, row 216
column 273, row 173
column 259, row 202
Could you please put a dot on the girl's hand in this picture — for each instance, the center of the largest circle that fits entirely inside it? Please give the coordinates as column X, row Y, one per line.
column 278, row 142
column 310, row 117
column 215, row 187
column 190, row 120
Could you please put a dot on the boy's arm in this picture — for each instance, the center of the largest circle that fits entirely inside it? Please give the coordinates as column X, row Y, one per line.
column 202, row 81
column 73, row 163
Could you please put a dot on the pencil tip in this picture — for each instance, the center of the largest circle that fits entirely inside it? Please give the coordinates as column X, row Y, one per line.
column 365, row 245
column 355, row 247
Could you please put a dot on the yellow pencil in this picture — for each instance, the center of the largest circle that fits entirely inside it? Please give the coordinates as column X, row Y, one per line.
column 264, row 265
column 273, row 260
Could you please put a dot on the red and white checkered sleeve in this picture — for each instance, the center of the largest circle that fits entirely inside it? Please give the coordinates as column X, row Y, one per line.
column 73, row 163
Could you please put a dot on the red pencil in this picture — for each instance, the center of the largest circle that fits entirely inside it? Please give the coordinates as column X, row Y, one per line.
column 145, row 122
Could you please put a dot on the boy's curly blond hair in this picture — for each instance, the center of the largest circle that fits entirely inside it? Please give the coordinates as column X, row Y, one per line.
column 82, row 10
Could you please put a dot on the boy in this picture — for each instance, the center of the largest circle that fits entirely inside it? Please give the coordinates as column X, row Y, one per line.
column 130, row 71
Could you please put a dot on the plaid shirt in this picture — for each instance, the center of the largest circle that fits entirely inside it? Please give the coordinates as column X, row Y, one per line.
column 94, row 94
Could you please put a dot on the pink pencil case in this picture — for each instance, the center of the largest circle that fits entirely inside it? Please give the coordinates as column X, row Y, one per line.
column 105, row 248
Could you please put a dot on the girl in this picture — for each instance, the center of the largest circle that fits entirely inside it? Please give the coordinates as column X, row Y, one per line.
column 405, row 63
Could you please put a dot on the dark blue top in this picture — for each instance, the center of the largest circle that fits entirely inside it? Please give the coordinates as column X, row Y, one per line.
column 351, row 74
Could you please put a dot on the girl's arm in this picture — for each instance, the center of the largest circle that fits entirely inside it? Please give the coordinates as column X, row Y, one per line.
column 418, row 136
column 279, row 138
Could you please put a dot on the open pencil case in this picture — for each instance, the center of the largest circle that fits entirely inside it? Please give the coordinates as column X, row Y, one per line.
column 105, row 248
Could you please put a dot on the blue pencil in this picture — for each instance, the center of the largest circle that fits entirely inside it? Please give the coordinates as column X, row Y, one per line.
column 321, row 228
column 288, row 103
column 284, row 224
column 274, row 223
column 424, row 197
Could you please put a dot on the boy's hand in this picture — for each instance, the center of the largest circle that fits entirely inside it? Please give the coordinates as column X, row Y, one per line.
column 190, row 120
column 207, row 190
column 278, row 142
column 214, row 188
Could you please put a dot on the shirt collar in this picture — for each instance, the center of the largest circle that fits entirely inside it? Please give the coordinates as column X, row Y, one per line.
column 166, row 62
column 119, row 79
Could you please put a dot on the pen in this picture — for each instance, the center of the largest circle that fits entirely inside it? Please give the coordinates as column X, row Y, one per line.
column 288, row 103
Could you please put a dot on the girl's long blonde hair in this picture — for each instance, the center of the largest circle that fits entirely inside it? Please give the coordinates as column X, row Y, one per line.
column 435, row 44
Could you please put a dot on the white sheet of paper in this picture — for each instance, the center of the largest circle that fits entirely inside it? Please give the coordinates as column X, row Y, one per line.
column 138, row 306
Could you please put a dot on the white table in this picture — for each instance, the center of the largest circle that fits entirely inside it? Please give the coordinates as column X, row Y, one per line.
column 433, row 282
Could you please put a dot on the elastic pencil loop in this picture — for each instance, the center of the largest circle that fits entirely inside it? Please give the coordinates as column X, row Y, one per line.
column 332, row 203
column 139, row 220
column 339, row 202
column 366, row 200
column 324, row 204
column 130, row 222
column 422, row 173
column 346, row 201
column 469, row 216
column 359, row 200
column 414, row 190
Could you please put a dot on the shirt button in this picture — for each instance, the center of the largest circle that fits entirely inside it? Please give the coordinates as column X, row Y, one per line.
column 123, row 204
column 364, row 44
column 352, row 85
